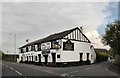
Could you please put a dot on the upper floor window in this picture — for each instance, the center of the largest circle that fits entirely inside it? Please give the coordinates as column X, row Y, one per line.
column 39, row 47
column 32, row 47
column 21, row 50
column 68, row 45
column 55, row 45
column 36, row 47
column 27, row 49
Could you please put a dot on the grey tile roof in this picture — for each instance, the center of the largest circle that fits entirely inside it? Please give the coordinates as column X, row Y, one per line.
column 52, row 37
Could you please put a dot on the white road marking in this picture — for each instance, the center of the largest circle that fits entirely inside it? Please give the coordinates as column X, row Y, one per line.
column 11, row 68
column 92, row 67
column 6, row 65
column 106, row 69
column 72, row 75
column 18, row 72
column 64, row 74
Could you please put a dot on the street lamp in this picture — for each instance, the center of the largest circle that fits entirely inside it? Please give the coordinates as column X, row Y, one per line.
column 14, row 45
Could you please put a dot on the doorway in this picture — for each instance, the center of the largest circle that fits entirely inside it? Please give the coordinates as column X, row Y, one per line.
column 81, row 56
column 88, row 61
column 88, row 56
column 46, row 59
column 54, row 57
column 39, row 55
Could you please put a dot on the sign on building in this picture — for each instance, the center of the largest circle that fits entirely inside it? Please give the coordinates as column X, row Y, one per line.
column 46, row 45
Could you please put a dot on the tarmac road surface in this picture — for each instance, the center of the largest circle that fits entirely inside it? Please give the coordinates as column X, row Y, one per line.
column 18, row 70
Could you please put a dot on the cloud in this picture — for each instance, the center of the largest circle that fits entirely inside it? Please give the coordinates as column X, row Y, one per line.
column 35, row 20
column 95, row 38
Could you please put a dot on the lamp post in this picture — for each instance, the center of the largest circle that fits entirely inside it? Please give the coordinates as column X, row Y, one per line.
column 14, row 45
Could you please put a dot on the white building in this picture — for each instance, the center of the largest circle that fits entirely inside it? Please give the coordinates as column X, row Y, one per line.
column 67, row 47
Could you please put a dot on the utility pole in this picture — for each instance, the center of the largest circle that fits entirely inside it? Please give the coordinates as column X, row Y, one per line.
column 14, row 46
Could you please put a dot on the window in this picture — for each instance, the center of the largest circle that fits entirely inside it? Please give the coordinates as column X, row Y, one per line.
column 21, row 50
column 55, row 45
column 68, row 45
column 39, row 47
column 35, row 58
column 58, row 56
column 27, row 49
column 81, row 56
column 32, row 47
column 24, row 49
column 87, row 56
column 36, row 48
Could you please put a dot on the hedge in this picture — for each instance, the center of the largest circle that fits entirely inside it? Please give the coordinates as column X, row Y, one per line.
column 101, row 57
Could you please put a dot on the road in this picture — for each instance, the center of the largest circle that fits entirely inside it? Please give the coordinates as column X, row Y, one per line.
column 27, row 70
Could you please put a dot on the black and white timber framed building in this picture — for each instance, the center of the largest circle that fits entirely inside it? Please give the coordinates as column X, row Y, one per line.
column 70, row 46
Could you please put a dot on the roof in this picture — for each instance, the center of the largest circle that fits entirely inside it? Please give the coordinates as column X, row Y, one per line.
column 101, row 50
column 11, row 54
column 53, row 37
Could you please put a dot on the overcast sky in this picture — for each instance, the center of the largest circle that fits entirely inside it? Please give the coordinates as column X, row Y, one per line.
column 35, row 20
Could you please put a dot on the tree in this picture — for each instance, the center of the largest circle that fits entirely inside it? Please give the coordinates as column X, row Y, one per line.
column 112, row 37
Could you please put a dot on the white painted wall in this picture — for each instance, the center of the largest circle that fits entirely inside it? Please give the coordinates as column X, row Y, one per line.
column 79, row 47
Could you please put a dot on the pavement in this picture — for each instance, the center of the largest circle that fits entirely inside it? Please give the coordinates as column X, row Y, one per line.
column 18, row 70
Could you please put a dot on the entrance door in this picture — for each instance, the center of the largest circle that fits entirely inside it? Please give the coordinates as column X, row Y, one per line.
column 81, row 56
column 39, row 55
column 54, row 57
column 88, row 61
column 88, row 56
column 46, row 59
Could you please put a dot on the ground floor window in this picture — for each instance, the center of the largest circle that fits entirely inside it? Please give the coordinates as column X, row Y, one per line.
column 58, row 56
column 81, row 56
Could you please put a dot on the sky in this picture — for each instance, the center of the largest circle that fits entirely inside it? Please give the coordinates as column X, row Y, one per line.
column 36, row 20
